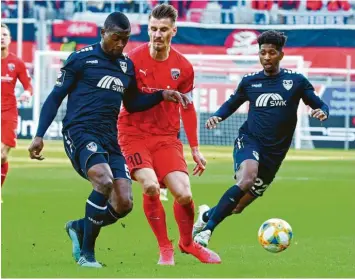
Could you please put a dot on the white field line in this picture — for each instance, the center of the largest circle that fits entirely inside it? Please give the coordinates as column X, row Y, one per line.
column 211, row 158
column 220, row 151
column 35, row 162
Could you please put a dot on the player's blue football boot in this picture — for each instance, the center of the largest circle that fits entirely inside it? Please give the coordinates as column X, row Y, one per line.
column 76, row 239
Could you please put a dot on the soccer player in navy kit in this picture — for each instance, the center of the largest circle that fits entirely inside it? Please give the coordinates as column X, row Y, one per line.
column 265, row 137
column 97, row 79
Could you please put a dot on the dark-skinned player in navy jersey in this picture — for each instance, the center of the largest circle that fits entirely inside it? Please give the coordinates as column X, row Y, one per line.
column 265, row 137
column 96, row 80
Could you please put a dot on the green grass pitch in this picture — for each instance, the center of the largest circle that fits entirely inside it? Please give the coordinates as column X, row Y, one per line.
column 314, row 191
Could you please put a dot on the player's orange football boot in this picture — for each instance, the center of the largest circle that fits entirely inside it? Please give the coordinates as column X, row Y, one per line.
column 203, row 254
column 166, row 255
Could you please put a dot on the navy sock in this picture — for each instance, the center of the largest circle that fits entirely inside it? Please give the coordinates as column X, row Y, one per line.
column 94, row 216
column 78, row 225
column 111, row 216
column 206, row 216
column 224, row 208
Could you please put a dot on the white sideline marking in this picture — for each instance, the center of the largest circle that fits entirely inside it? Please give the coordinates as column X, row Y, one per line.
column 211, row 158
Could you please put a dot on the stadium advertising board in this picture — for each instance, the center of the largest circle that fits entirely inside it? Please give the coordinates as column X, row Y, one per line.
column 323, row 47
column 332, row 133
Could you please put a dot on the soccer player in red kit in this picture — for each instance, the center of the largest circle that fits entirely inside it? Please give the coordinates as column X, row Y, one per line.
column 149, row 141
column 12, row 68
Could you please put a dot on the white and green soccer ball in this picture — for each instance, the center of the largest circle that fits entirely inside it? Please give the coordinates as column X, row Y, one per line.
column 275, row 235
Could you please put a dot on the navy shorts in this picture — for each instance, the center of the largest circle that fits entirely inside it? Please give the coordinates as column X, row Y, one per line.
column 81, row 144
column 246, row 147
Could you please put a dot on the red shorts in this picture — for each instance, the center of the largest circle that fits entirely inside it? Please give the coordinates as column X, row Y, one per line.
column 9, row 127
column 8, row 131
column 163, row 154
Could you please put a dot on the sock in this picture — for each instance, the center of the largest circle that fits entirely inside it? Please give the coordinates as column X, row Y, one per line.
column 94, row 216
column 206, row 216
column 110, row 217
column 154, row 211
column 184, row 216
column 4, row 170
column 225, row 206
column 78, row 225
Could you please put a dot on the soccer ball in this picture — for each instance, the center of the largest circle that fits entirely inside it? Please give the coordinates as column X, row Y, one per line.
column 275, row 235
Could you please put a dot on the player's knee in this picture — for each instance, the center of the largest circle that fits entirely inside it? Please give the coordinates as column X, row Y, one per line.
column 184, row 197
column 125, row 207
column 103, row 182
column 248, row 181
column 3, row 157
column 151, row 187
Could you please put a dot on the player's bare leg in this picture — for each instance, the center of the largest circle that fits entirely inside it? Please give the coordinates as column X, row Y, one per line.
column 154, row 211
column 246, row 176
column 179, row 185
column 5, row 150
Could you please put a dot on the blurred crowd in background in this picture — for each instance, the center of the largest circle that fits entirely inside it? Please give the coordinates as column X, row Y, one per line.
column 204, row 11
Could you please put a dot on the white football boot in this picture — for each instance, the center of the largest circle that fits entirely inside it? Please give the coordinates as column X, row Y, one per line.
column 200, row 224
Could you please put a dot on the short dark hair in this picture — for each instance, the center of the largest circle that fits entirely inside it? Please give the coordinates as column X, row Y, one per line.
column 3, row 25
column 164, row 11
column 272, row 37
column 117, row 19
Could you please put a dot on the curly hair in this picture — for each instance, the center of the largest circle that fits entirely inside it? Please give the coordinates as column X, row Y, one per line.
column 272, row 37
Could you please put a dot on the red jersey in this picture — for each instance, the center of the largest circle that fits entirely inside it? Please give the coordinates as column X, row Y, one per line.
column 175, row 73
column 12, row 68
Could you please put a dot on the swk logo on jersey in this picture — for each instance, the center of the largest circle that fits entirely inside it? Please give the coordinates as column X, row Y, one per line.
column 112, row 83
column 270, row 99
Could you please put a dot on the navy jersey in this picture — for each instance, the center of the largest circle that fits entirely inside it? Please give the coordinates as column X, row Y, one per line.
column 95, row 84
column 274, row 101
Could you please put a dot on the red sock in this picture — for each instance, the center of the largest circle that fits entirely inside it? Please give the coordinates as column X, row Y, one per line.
column 154, row 211
column 4, row 170
column 184, row 216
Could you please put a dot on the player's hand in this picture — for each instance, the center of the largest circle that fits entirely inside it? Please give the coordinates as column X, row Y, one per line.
column 176, row 97
column 36, row 148
column 319, row 114
column 25, row 96
column 212, row 122
column 199, row 160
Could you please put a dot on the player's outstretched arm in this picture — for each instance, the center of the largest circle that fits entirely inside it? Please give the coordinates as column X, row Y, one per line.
column 228, row 108
column 25, row 80
column 135, row 100
column 65, row 83
column 189, row 119
column 320, row 110
column 48, row 113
